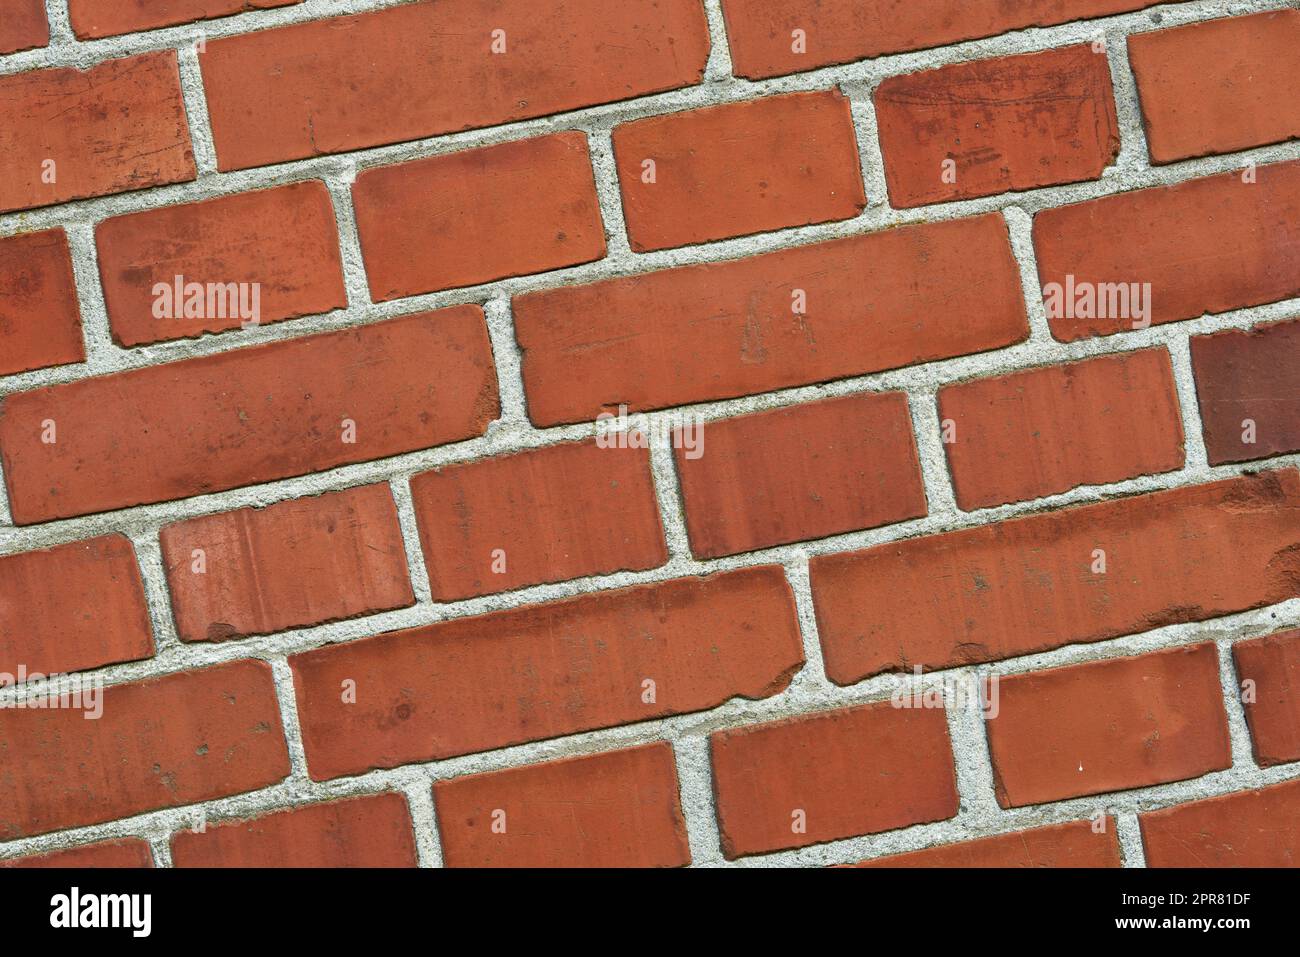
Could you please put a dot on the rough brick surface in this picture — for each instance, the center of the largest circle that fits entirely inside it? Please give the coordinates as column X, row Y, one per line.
column 840, row 31
column 546, row 670
column 976, row 129
column 1271, row 666
column 1085, row 573
column 806, row 472
column 22, row 25
column 1205, row 245
column 1076, row 844
column 118, row 126
column 117, row 854
column 106, row 18
column 1048, row 430
column 684, row 179
column 550, row 514
column 428, row 68
column 715, row 331
column 293, row 564
column 283, row 240
column 1109, row 726
column 618, row 809
column 472, row 217
column 166, row 742
column 373, row 831
column 1219, row 87
column 1249, row 829
column 40, row 321
column 251, row 415
column 72, row 607
column 819, row 778
column 1248, row 390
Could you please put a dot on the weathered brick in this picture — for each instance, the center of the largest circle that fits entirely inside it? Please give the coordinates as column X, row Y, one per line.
column 117, row 854
column 289, row 565
column 706, row 332
column 1081, row 574
column 252, row 415
column 108, row 18
column 1271, row 665
column 542, row 671
column 1060, row 845
column 40, row 321
column 1248, row 829
column 617, row 809
column 22, row 25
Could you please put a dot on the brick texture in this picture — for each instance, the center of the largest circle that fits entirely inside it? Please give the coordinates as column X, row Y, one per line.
column 1268, row 672
column 714, row 331
column 1076, row 844
column 22, row 25
column 1085, row 573
column 166, row 742
column 684, row 181
column 72, row 607
column 267, row 412
column 67, row 134
column 1241, row 236
column 807, row 472
column 1049, row 430
column 112, row 854
column 1248, row 391
column 372, row 831
column 1219, row 87
column 282, row 240
column 618, row 809
column 290, row 565
column 550, row 514
column 106, row 18
column 812, row 779
column 428, row 68
column 472, row 217
column 40, row 321
column 547, row 670
column 1249, row 829
column 1109, row 726
column 1015, row 123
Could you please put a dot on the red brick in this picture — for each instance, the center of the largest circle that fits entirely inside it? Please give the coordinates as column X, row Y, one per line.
column 290, row 565
column 840, row 31
column 542, row 671
column 73, row 607
column 1206, row 245
column 1219, row 87
column 114, row 127
column 1272, row 665
column 118, row 854
column 371, row 831
column 1061, row 845
column 618, row 809
column 424, row 69
column 103, row 18
column 1249, row 829
column 853, row 771
column 1013, row 123
column 1109, row 726
column 22, row 25
column 168, row 742
column 1250, row 375
column 798, row 165
column 810, row 471
column 253, row 415
column 40, row 322
column 715, row 331
column 1048, row 430
column 561, row 512
column 473, row 217
column 283, row 239
column 1027, row 585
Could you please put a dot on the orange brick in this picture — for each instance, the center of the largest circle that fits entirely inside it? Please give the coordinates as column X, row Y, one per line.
column 1272, row 666
column 22, row 25
column 40, row 321
column 1061, row 845
column 115, row 854
column 105, row 18
column 1249, row 829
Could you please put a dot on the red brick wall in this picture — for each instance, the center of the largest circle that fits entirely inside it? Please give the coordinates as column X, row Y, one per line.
column 963, row 336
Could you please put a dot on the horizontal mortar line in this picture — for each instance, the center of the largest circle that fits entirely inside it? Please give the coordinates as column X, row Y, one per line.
column 736, row 713
column 114, row 358
column 920, row 382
